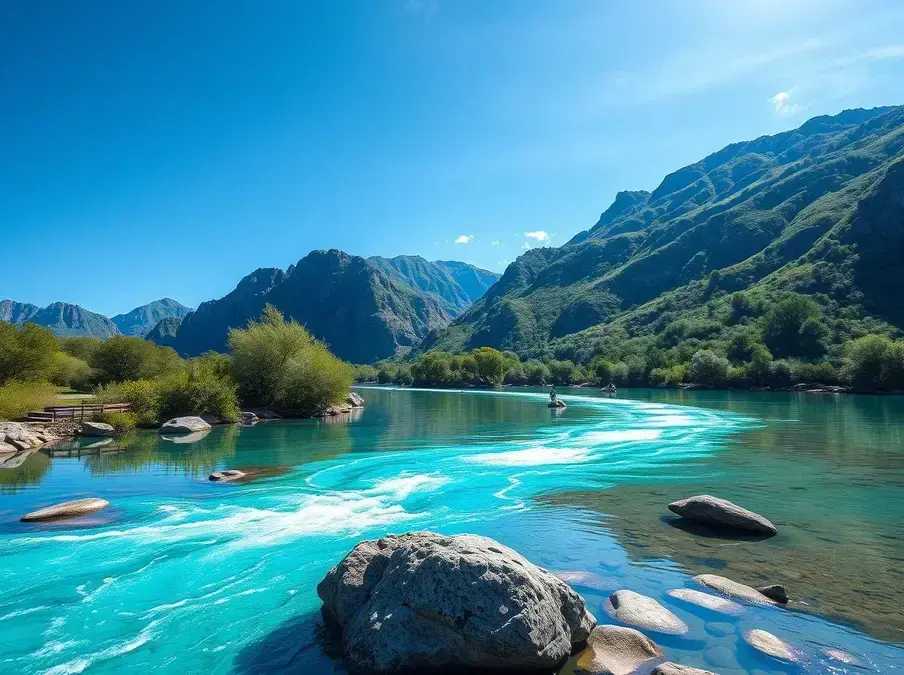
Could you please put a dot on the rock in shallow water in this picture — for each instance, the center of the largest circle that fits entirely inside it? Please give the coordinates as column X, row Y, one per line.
column 721, row 513
column 670, row 668
column 425, row 601
column 775, row 592
column 183, row 425
column 733, row 589
column 226, row 476
column 96, row 429
column 714, row 603
column 616, row 650
column 769, row 644
column 78, row 507
column 644, row 613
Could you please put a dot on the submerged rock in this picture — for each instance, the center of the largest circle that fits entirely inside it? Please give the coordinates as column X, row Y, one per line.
column 769, row 644
column 733, row 589
column 775, row 592
column 721, row 513
column 183, row 425
column 97, row 429
column 670, row 668
column 78, row 507
column 226, row 476
column 589, row 580
column 426, row 601
column 714, row 603
column 616, row 650
column 841, row 656
column 644, row 613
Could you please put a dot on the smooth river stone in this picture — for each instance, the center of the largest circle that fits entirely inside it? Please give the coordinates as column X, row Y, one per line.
column 769, row 644
column 713, row 603
column 644, row 612
column 78, row 507
column 588, row 580
column 226, row 476
column 616, row 650
column 733, row 589
column 722, row 513
column 670, row 668
column 841, row 656
column 183, row 425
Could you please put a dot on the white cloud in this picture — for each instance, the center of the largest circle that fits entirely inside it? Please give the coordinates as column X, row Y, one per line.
column 783, row 105
column 464, row 239
column 539, row 235
column 496, row 242
column 525, row 245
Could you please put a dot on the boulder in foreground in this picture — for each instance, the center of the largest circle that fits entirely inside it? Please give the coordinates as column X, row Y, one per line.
column 183, row 425
column 226, row 476
column 78, row 507
column 644, row 613
column 616, row 650
column 722, row 513
column 426, row 601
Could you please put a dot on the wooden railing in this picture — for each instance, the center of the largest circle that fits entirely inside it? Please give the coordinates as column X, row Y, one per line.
column 82, row 411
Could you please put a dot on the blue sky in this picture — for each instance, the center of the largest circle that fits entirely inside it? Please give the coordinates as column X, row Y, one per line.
column 168, row 148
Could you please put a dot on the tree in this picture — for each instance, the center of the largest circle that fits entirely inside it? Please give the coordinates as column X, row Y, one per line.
column 875, row 362
column 562, row 372
column 536, row 373
column 26, row 353
column 708, row 368
column 278, row 365
column 123, row 358
column 602, row 370
column 433, row 368
column 794, row 328
column 490, row 364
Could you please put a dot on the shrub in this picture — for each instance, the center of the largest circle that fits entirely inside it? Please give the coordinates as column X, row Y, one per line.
column 875, row 362
column 80, row 347
column 536, row 373
column 19, row 398
column 143, row 395
column 490, row 364
column 121, row 421
column 198, row 390
column 69, row 371
column 562, row 372
column 278, row 365
column 433, row 368
column 602, row 370
column 794, row 327
column 708, row 368
column 123, row 358
column 26, row 353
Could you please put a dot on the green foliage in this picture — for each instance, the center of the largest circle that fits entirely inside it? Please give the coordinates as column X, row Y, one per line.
column 490, row 365
column 536, row 373
column 602, row 370
column 143, row 395
column 563, row 372
column 26, row 353
column 121, row 421
column 875, row 362
column 794, row 327
column 80, row 347
column 278, row 365
column 123, row 358
column 70, row 371
column 709, row 369
column 366, row 373
column 18, row 398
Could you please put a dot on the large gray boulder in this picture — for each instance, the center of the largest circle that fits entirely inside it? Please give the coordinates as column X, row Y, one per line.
column 79, row 507
column 711, row 510
column 424, row 601
column 354, row 400
column 97, row 429
column 23, row 436
column 183, row 425
column 643, row 612
column 616, row 650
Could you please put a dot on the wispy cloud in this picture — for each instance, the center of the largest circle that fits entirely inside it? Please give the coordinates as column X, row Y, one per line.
column 464, row 238
column 784, row 107
column 496, row 243
column 539, row 235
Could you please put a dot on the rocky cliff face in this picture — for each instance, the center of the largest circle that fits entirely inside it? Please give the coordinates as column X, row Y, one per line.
column 142, row 319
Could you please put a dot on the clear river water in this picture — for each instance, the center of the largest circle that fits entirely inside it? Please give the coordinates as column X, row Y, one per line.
column 181, row 575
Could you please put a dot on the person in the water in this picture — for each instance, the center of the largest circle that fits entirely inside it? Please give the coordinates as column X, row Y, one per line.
column 552, row 394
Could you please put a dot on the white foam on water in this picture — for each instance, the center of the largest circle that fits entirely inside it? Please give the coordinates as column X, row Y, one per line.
column 405, row 484
column 620, row 436
column 532, row 457
column 22, row 612
column 79, row 665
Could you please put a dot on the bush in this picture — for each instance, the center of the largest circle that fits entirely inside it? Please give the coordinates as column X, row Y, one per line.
column 69, row 371
column 536, row 373
column 143, row 395
column 198, row 390
column 794, row 328
column 490, row 364
column 26, row 353
column 19, row 398
column 708, row 368
column 562, row 372
column 602, row 370
column 278, row 365
column 121, row 421
column 875, row 362
column 433, row 368
column 123, row 358
column 80, row 347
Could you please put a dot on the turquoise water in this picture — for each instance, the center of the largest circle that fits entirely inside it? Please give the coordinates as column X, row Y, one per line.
column 184, row 576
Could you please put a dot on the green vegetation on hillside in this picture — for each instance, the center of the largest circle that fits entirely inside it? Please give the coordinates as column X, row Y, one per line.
column 774, row 254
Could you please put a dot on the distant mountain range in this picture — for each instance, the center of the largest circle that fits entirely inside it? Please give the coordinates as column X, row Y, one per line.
column 68, row 320
column 365, row 309
column 818, row 210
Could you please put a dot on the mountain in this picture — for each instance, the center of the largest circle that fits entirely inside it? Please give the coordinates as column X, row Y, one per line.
column 164, row 333
column 64, row 319
column 456, row 285
column 362, row 310
column 816, row 210
column 142, row 319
